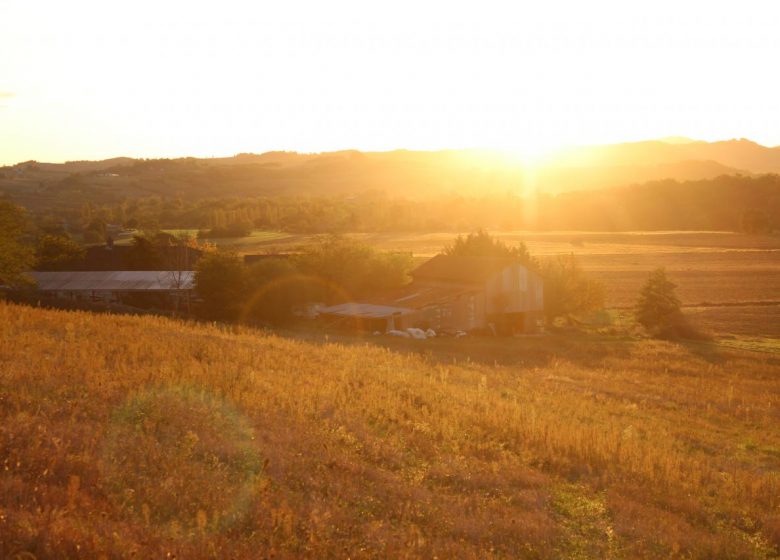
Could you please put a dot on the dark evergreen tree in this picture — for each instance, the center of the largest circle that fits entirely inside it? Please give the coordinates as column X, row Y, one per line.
column 658, row 307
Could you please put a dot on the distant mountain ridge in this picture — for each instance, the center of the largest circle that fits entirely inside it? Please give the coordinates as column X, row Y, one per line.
column 739, row 154
column 404, row 173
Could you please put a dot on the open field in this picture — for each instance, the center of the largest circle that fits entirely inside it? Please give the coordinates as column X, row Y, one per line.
column 128, row 436
column 711, row 268
column 540, row 243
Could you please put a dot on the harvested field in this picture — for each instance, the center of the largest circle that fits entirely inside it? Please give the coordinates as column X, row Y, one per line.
column 147, row 437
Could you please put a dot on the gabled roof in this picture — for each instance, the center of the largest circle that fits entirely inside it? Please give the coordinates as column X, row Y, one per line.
column 468, row 270
column 115, row 280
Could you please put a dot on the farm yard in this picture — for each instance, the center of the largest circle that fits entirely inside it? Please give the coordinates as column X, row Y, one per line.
column 737, row 274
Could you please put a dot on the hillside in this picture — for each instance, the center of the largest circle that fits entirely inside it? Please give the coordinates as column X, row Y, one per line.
column 126, row 436
column 414, row 174
column 739, row 154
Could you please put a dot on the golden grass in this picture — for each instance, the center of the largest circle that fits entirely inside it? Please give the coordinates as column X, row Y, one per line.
column 126, row 436
column 709, row 267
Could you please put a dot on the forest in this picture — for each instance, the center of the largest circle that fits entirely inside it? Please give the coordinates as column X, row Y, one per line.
column 726, row 203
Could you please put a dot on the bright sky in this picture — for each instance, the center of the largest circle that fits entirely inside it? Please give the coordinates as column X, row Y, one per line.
column 96, row 79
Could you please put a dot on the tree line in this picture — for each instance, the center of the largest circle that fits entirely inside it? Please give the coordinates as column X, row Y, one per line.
column 728, row 203
column 333, row 268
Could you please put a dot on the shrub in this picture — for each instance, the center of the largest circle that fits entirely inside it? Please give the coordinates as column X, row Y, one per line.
column 658, row 305
column 658, row 309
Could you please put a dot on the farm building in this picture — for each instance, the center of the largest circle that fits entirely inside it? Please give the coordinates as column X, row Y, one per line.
column 144, row 288
column 454, row 293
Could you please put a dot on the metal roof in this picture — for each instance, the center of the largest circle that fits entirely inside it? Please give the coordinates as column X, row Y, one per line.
column 115, row 280
column 365, row 310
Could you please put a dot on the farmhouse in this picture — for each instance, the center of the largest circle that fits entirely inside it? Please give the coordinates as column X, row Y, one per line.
column 454, row 293
column 144, row 288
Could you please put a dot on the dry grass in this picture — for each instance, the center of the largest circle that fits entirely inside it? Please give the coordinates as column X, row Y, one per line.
column 742, row 320
column 125, row 436
column 713, row 267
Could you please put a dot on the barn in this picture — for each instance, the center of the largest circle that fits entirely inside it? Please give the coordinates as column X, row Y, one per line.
column 143, row 288
column 454, row 293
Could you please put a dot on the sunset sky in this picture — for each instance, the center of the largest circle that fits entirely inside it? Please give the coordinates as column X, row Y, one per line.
column 90, row 80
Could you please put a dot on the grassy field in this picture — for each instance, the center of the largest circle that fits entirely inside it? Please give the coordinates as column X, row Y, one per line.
column 123, row 436
column 711, row 268
column 542, row 243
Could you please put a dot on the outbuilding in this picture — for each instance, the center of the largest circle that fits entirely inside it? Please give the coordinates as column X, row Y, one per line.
column 456, row 293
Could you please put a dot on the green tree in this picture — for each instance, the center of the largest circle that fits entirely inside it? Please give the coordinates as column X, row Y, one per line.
column 482, row 244
column 349, row 269
column 220, row 280
column 16, row 258
column 658, row 307
column 57, row 252
column 568, row 291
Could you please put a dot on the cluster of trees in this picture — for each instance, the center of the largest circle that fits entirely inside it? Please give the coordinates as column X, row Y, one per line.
column 268, row 290
column 733, row 203
column 334, row 267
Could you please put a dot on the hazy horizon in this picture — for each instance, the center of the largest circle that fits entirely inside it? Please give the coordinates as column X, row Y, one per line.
column 541, row 157
column 173, row 79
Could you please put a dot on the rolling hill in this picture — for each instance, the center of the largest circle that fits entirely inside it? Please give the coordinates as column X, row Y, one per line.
column 400, row 173
column 147, row 437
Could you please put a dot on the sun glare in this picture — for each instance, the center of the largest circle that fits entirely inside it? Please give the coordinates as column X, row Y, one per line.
column 192, row 81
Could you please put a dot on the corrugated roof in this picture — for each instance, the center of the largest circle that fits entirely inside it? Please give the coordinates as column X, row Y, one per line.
column 115, row 280
column 461, row 269
column 364, row 310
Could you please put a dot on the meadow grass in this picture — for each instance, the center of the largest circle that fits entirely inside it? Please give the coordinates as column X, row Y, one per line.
column 126, row 436
column 709, row 267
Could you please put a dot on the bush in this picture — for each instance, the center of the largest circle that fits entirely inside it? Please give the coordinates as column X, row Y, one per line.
column 658, row 306
column 658, row 309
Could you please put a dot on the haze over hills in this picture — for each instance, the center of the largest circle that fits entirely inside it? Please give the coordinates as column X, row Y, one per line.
column 676, row 183
column 406, row 173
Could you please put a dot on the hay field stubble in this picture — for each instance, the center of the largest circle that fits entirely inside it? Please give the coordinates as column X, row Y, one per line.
column 128, row 436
